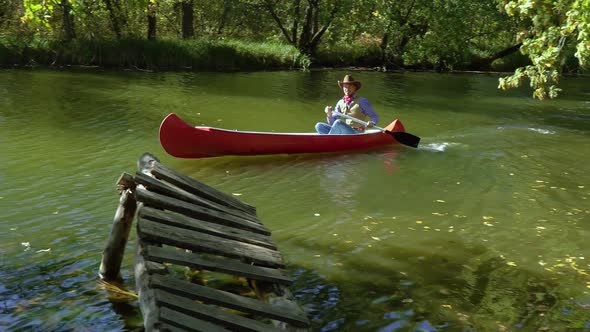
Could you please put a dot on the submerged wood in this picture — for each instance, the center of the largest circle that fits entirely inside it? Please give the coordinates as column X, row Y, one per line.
column 183, row 224
column 217, row 264
column 113, row 253
column 287, row 311
column 188, row 239
column 200, row 189
column 180, row 220
column 157, row 200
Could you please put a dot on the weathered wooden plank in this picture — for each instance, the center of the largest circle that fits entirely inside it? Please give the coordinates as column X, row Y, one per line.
column 187, row 239
column 180, row 220
column 173, row 204
column 184, row 322
column 229, row 266
column 170, row 328
column 147, row 298
column 200, row 189
column 164, row 188
column 287, row 312
column 211, row 313
column 112, row 255
column 277, row 295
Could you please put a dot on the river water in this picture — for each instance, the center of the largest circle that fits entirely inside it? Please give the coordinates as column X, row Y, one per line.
column 484, row 227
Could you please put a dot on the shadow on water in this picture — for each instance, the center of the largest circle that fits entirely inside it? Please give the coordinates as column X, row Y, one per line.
column 62, row 295
column 432, row 287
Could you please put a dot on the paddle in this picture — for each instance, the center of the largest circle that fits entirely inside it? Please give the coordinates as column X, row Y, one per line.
column 400, row 136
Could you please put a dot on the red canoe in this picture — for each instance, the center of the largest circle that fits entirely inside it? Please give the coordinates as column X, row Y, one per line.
column 182, row 140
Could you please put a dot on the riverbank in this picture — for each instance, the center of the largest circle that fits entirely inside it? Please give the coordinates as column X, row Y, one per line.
column 198, row 54
column 218, row 55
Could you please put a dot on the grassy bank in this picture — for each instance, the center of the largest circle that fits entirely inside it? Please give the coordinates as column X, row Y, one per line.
column 159, row 54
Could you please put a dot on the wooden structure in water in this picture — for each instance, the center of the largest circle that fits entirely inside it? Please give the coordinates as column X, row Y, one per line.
column 184, row 225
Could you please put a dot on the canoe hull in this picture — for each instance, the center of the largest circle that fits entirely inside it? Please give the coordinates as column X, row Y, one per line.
column 182, row 140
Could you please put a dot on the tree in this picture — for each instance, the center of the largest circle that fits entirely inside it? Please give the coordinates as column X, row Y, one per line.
column 151, row 17
column 308, row 21
column 188, row 30
column 68, row 22
column 552, row 28
column 114, row 16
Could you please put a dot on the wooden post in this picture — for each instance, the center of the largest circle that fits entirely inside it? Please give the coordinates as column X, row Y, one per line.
column 112, row 256
column 147, row 297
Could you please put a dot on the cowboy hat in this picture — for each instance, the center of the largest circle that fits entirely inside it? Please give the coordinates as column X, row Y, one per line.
column 348, row 79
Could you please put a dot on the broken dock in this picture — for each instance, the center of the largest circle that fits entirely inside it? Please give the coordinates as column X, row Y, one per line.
column 188, row 234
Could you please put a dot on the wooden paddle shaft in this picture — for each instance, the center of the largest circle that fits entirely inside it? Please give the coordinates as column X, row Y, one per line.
column 357, row 120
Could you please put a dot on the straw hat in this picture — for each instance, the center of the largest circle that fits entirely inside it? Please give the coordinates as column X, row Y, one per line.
column 350, row 80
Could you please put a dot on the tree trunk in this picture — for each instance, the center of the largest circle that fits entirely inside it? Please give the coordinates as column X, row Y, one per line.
column 188, row 30
column 226, row 10
column 68, row 24
column 485, row 63
column 114, row 18
column 151, row 15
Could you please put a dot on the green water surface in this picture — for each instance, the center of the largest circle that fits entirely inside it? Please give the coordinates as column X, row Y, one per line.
column 485, row 227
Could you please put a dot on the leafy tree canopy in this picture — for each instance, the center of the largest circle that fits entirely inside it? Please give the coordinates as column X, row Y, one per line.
column 553, row 31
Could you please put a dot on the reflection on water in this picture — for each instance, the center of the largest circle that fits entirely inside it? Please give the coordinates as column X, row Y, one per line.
column 482, row 228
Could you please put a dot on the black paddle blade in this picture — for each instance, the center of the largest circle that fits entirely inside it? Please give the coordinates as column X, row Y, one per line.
column 405, row 138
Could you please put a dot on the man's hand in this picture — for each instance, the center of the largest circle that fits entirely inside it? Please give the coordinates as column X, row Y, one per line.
column 370, row 124
column 328, row 111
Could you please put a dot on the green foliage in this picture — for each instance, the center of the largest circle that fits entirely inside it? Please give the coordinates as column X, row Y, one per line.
column 426, row 34
column 160, row 54
column 550, row 26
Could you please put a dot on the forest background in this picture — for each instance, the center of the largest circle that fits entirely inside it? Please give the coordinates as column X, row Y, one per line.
column 536, row 40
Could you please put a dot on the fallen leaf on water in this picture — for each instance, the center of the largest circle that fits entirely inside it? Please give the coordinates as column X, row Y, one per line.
column 440, row 201
column 488, row 224
column 375, row 238
column 511, row 263
column 44, row 250
column 419, row 221
column 236, row 194
column 488, row 217
column 448, row 306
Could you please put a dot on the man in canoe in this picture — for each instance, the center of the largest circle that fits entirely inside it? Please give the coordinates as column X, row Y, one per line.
column 351, row 104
